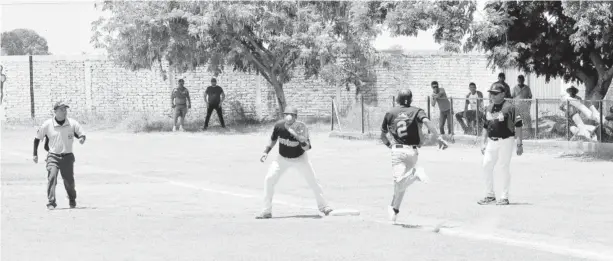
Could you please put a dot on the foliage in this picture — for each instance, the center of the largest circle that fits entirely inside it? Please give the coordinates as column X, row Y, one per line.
column 275, row 39
column 570, row 39
column 23, row 42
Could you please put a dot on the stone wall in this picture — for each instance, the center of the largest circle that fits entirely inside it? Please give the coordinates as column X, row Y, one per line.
column 96, row 86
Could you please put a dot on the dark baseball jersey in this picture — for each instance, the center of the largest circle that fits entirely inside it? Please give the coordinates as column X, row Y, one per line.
column 289, row 146
column 500, row 120
column 404, row 123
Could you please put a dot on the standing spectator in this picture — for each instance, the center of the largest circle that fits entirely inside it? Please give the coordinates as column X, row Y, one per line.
column 60, row 132
column 180, row 102
column 507, row 89
column 214, row 97
column 439, row 96
column 523, row 94
column 470, row 114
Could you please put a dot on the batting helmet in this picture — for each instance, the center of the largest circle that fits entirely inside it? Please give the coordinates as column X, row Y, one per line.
column 405, row 97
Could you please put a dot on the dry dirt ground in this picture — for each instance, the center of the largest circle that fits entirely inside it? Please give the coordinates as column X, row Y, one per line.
column 193, row 196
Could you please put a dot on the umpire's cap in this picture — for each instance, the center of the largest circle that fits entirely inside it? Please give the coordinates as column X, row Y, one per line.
column 290, row 110
column 405, row 97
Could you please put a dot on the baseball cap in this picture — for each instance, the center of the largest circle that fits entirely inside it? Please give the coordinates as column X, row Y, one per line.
column 60, row 104
column 290, row 110
column 496, row 88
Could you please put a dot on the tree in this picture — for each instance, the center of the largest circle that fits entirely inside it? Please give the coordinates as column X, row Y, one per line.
column 570, row 39
column 23, row 42
column 274, row 39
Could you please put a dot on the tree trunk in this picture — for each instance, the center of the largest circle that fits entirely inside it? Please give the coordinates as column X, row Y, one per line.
column 280, row 97
column 596, row 90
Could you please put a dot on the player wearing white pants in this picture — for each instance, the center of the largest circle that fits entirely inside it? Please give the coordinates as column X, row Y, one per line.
column 503, row 126
column 404, row 124
column 294, row 142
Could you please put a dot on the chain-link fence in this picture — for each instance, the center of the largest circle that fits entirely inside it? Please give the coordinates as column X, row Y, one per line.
column 544, row 119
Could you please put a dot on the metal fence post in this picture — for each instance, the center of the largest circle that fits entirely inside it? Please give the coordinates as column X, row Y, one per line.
column 393, row 100
column 567, row 120
column 601, row 122
column 362, row 101
column 332, row 115
column 477, row 114
column 451, row 130
column 429, row 117
column 32, row 87
column 536, row 127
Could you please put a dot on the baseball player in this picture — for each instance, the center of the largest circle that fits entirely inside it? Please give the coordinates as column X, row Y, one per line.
column 503, row 126
column 294, row 142
column 60, row 132
column 404, row 124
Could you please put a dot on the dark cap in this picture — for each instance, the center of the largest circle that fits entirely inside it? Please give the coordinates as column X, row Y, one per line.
column 60, row 104
column 290, row 110
column 497, row 88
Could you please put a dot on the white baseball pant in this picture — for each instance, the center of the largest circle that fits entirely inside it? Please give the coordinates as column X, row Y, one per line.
column 403, row 167
column 500, row 152
column 279, row 166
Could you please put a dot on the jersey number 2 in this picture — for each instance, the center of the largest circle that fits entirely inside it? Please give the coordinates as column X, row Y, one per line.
column 401, row 128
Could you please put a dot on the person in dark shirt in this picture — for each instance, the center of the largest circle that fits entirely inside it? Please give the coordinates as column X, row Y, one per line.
column 503, row 127
column 404, row 124
column 507, row 89
column 214, row 97
column 293, row 149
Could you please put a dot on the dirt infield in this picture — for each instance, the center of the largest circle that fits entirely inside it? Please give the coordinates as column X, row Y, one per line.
column 193, row 196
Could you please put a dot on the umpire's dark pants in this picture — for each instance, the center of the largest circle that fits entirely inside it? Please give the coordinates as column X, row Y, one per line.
column 63, row 163
column 209, row 111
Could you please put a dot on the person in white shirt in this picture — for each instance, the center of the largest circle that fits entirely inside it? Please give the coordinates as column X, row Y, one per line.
column 60, row 132
column 471, row 112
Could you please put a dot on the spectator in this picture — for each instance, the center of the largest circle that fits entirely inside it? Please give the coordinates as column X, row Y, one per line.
column 572, row 94
column 214, row 97
column 523, row 94
column 180, row 102
column 439, row 96
column 470, row 114
column 501, row 80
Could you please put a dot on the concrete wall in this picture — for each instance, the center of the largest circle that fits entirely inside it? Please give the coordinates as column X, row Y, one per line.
column 96, row 86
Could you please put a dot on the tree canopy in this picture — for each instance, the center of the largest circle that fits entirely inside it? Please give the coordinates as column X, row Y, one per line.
column 572, row 40
column 23, row 42
column 275, row 39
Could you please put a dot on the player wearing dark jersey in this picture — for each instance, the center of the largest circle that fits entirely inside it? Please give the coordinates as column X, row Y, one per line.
column 404, row 124
column 293, row 149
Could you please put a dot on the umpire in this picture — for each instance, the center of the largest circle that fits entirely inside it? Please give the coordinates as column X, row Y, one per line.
column 60, row 132
column 502, row 126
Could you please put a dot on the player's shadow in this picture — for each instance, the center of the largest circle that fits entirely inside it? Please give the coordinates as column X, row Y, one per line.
column 413, row 226
column 520, row 204
column 77, row 208
column 300, row 216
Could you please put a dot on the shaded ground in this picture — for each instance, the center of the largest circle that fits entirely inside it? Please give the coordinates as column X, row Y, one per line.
column 192, row 196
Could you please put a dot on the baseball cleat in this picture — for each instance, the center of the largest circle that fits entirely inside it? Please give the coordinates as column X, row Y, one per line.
column 392, row 214
column 264, row 216
column 50, row 207
column 503, row 201
column 326, row 210
column 487, row 201
column 73, row 204
column 421, row 175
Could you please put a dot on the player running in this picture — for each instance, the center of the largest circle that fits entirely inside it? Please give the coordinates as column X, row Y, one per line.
column 294, row 143
column 404, row 124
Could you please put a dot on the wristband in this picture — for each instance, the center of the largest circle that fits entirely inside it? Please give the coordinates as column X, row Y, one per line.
column 267, row 149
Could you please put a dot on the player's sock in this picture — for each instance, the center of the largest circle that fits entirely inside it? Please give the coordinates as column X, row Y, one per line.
column 396, row 211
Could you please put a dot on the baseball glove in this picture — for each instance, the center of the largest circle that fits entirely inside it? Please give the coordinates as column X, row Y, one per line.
column 300, row 131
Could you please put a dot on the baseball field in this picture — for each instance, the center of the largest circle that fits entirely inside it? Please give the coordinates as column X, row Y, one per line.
column 193, row 196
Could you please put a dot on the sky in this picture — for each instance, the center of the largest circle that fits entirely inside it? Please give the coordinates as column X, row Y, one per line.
column 66, row 25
